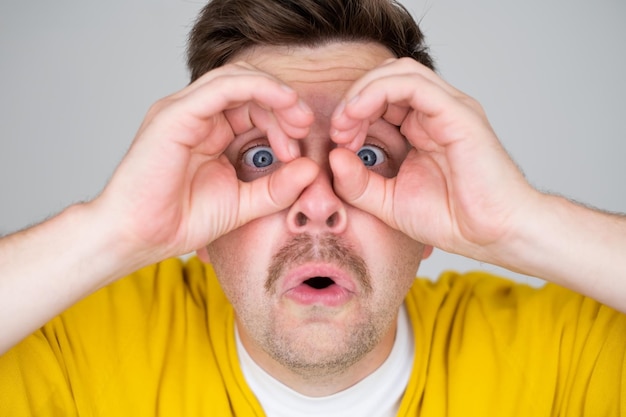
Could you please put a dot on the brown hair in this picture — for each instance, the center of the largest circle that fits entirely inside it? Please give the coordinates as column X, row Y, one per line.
column 227, row 27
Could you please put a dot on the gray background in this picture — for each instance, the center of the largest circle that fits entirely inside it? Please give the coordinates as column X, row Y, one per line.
column 77, row 77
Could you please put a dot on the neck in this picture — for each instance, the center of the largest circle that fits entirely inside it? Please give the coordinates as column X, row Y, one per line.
column 325, row 379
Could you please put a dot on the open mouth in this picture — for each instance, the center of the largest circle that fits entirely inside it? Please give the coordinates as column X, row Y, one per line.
column 319, row 283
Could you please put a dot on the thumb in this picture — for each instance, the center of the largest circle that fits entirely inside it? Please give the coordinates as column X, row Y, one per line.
column 275, row 192
column 362, row 188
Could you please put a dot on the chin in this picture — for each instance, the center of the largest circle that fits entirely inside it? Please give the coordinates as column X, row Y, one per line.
column 321, row 347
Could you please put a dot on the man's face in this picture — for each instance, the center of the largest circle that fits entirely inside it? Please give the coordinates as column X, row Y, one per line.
column 317, row 287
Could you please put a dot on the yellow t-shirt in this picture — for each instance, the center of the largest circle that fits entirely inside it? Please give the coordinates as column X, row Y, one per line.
column 161, row 342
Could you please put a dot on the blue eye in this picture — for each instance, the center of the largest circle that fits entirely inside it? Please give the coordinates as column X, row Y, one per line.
column 371, row 155
column 259, row 157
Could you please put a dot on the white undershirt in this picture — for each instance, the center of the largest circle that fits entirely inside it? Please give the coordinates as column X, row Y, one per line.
column 378, row 395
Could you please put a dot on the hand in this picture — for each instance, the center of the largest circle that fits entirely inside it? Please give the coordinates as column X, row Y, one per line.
column 175, row 191
column 457, row 188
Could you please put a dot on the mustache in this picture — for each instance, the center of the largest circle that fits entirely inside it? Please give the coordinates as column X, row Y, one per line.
column 326, row 248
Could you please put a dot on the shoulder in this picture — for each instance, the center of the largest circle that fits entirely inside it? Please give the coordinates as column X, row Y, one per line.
column 484, row 287
column 487, row 301
column 531, row 344
column 171, row 289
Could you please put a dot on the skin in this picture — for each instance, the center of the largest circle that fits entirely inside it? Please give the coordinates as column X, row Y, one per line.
column 180, row 187
column 314, row 348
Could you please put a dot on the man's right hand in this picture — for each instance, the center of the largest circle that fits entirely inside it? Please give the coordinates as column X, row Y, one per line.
column 175, row 191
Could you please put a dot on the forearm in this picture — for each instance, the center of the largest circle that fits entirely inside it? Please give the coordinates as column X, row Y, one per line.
column 573, row 246
column 458, row 189
column 49, row 267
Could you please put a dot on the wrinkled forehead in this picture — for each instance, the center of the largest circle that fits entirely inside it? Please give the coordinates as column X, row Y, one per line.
column 321, row 73
column 333, row 62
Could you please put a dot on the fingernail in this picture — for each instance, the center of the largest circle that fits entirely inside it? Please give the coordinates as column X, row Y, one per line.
column 294, row 149
column 287, row 88
column 339, row 110
column 305, row 107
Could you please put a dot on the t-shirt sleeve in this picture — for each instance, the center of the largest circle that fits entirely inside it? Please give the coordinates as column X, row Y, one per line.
column 67, row 367
column 34, row 379
column 556, row 351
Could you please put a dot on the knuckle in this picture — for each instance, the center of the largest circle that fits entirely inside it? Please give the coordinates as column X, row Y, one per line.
column 408, row 63
column 157, row 107
column 473, row 104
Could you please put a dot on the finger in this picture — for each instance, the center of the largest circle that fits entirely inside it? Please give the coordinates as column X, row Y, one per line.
column 281, row 132
column 405, row 78
column 422, row 95
column 295, row 121
column 280, row 135
column 352, row 138
column 210, row 218
column 190, row 119
column 389, row 70
column 360, row 187
column 395, row 67
column 444, row 117
column 275, row 192
column 230, row 69
column 251, row 116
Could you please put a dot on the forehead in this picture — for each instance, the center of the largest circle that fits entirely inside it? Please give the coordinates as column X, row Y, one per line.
column 339, row 62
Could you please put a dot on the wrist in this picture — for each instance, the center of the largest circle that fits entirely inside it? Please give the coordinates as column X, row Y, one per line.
column 49, row 267
column 565, row 243
column 525, row 245
column 105, row 242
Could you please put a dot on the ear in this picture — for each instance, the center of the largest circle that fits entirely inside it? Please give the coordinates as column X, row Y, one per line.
column 428, row 250
column 203, row 255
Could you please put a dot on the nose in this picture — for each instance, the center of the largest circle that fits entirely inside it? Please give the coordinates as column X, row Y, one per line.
column 318, row 209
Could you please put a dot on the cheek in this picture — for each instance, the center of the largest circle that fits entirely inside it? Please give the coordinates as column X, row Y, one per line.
column 394, row 260
column 240, row 261
column 405, row 258
column 249, row 244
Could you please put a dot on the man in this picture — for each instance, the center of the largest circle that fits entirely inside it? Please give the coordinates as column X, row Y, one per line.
column 314, row 160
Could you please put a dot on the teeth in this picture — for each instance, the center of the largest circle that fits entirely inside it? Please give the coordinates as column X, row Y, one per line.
column 319, row 283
